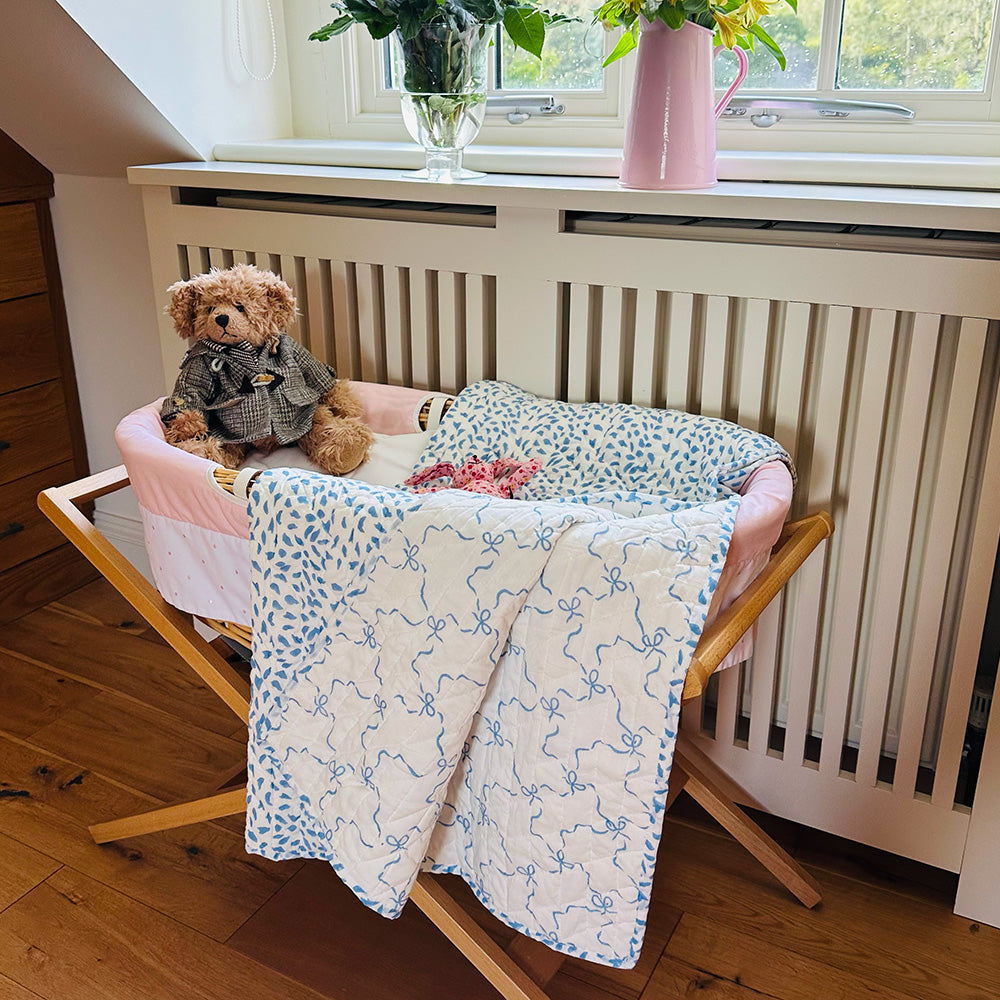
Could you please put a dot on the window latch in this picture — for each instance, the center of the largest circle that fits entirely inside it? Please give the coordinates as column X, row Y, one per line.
column 520, row 108
column 767, row 111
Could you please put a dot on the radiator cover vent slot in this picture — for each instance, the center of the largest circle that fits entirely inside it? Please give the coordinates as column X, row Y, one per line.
column 831, row 235
column 391, row 210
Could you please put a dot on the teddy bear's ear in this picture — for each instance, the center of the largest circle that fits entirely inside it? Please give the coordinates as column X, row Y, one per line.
column 183, row 303
column 280, row 299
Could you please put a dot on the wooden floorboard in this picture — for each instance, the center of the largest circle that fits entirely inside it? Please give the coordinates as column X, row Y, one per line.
column 72, row 937
column 21, row 869
column 178, row 759
column 99, row 718
column 117, row 661
column 31, row 698
column 100, row 604
column 199, row 875
column 739, row 957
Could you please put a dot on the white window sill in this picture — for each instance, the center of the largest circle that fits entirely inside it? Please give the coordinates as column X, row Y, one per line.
column 958, row 172
column 933, row 208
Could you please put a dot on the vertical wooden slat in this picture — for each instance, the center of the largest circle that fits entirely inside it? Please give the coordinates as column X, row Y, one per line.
column 449, row 346
column 982, row 556
column 217, row 257
column 292, row 271
column 311, row 304
column 752, row 372
column 328, row 333
column 792, row 376
column 939, row 531
column 198, row 262
column 715, row 362
column 609, row 379
column 790, row 381
column 821, row 422
column 646, row 360
column 369, row 320
column 752, row 389
column 420, row 330
column 396, row 326
column 763, row 676
column 476, row 328
column 243, row 257
column 854, row 531
column 342, row 339
column 577, row 375
column 678, row 378
column 898, row 495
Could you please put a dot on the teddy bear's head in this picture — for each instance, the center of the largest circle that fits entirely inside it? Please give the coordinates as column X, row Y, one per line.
column 240, row 303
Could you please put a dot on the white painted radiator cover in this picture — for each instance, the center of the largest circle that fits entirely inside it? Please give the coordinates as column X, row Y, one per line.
column 877, row 370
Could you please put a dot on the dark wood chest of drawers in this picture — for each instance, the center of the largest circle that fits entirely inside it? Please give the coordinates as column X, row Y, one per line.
column 41, row 431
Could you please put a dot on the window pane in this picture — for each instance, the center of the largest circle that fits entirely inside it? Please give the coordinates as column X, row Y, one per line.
column 901, row 45
column 571, row 57
column 798, row 37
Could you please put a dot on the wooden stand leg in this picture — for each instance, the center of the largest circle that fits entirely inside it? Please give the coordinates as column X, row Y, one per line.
column 539, row 961
column 702, row 786
column 168, row 817
column 503, row 973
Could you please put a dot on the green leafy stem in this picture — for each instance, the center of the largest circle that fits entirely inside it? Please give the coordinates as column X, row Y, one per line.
column 523, row 20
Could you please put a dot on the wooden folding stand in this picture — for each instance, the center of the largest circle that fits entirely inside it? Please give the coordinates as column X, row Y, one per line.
column 520, row 972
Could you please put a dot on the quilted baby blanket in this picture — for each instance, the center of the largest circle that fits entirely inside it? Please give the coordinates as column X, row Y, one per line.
column 480, row 686
column 600, row 446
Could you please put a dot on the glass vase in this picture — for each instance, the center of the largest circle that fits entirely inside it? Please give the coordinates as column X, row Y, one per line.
column 441, row 75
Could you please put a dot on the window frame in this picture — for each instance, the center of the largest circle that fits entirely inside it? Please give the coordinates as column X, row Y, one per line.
column 344, row 76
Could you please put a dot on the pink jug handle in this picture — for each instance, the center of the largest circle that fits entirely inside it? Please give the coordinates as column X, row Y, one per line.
column 741, row 75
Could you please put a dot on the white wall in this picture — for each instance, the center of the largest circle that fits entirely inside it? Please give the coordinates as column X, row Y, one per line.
column 184, row 58
column 104, row 264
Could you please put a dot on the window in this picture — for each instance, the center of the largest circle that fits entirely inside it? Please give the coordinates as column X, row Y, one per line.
column 933, row 57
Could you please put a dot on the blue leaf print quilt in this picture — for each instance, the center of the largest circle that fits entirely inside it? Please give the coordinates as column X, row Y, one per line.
column 600, row 446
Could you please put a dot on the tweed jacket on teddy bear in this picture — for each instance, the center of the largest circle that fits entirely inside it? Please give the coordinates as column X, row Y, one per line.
column 247, row 392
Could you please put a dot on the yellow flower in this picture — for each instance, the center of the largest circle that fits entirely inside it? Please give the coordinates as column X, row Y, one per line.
column 729, row 26
column 760, row 8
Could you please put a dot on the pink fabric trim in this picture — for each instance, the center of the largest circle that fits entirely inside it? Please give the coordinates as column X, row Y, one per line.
column 197, row 570
column 764, row 505
column 172, row 483
column 392, row 409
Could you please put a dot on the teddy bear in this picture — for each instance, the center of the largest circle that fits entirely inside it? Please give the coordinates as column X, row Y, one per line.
column 244, row 382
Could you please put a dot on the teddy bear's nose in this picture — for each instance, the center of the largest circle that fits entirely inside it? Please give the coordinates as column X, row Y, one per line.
column 223, row 320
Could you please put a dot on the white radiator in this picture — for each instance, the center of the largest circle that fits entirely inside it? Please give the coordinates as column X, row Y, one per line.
column 873, row 358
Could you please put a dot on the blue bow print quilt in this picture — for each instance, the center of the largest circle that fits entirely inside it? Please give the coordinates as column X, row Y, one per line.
column 457, row 683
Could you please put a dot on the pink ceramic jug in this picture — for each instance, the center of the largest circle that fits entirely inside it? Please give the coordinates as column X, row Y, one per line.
column 670, row 135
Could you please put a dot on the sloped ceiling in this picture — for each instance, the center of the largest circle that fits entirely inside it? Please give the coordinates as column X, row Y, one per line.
column 66, row 102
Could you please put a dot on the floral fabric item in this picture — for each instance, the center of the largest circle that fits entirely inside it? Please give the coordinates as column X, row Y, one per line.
column 502, row 477
column 475, row 685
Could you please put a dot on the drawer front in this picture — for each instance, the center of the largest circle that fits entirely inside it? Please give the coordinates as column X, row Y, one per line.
column 25, row 532
column 34, row 433
column 47, row 578
column 22, row 267
column 27, row 343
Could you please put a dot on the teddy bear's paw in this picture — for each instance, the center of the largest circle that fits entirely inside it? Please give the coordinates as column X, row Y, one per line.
column 338, row 445
column 342, row 400
column 185, row 426
column 211, row 448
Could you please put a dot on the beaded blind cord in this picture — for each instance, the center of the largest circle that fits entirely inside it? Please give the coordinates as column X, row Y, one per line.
column 274, row 43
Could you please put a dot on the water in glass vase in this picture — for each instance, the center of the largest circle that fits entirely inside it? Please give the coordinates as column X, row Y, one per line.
column 441, row 75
